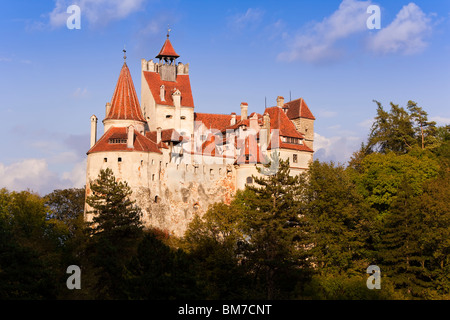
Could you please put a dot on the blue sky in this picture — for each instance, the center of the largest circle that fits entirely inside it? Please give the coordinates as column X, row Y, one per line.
column 52, row 79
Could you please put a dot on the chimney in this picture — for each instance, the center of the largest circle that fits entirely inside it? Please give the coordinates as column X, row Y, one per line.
column 266, row 126
column 108, row 107
column 280, row 101
column 130, row 138
column 93, row 130
column 176, row 96
column 244, row 110
column 254, row 122
column 158, row 135
column 162, row 93
column 233, row 119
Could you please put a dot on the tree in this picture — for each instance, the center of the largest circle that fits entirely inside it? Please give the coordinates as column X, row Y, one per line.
column 159, row 272
column 115, row 228
column 273, row 244
column 425, row 130
column 341, row 223
column 212, row 242
column 30, row 248
column 399, row 250
column 391, row 131
column 379, row 176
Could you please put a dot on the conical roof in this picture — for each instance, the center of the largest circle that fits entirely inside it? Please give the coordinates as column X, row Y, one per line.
column 125, row 103
column 167, row 50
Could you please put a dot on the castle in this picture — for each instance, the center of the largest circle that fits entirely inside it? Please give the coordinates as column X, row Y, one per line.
column 178, row 162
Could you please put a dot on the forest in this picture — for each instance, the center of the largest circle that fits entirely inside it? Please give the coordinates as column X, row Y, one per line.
column 307, row 237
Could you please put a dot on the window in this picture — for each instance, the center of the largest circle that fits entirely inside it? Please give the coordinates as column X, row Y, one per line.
column 153, row 177
column 249, row 180
column 142, row 163
column 119, row 159
column 105, row 159
column 168, row 116
column 294, row 158
column 156, row 199
column 291, row 140
column 114, row 141
column 183, row 118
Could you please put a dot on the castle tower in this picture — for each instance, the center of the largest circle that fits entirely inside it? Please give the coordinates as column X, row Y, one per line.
column 166, row 94
column 124, row 109
column 123, row 147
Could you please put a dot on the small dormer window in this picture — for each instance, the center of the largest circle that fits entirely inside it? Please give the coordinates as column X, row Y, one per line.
column 115, row 141
column 169, row 116
column 183, row 117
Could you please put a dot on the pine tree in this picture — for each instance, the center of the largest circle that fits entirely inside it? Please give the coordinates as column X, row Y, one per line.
column 115, row 228
column 273, row 235
column 115, row 215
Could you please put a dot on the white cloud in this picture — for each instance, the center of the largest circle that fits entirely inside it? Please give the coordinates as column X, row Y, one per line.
column 248, row 19
column 80, row 93
column 96, row 12
column 35, row 175
column 337, row 148
column 318, row 42
column 440, row 121
column 77, row 176
column 406, row 34
column 30, row 174
column 366, row 123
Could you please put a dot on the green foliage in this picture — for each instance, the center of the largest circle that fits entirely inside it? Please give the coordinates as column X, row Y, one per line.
column 380, row 176
column 341, row 222
column 30, row 248
column 115, row 230
column 159, row 272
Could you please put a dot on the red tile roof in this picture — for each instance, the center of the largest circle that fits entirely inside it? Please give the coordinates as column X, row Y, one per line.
column 280, row 121
column 140, row 143
column 298, row 109
column 250, row 151
column 167, row 50
column 125, row 103
column 215, row 121
column 182, row 83
column 167, row 135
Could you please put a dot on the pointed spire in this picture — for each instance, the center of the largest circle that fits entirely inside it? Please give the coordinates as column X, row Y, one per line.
column 125, row 103
column 167, row 50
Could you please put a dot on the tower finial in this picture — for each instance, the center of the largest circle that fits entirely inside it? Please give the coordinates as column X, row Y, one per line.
column 124, row 54
column 168, row 31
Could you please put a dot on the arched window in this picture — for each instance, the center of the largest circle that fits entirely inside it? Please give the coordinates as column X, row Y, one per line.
column 249, row 180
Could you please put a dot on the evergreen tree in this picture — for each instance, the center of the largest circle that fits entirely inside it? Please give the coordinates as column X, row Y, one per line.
column 391, row 131
column 116, row 228
column 426, row 131
column 273, row 242
column 341, row 222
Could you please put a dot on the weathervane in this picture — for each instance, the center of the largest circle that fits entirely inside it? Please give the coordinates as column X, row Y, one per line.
column 124, row 54
column 168, row 30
